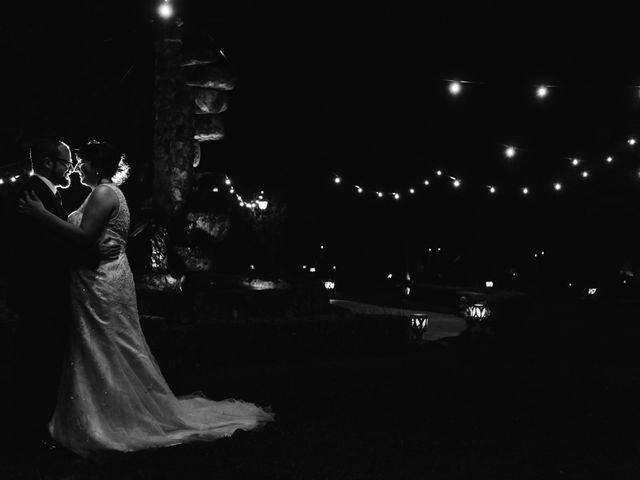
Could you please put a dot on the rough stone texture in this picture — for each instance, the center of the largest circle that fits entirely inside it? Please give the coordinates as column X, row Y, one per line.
column 159, row 249
column 174, row 128
column 213, row 224
column 208, row 127
column 218, row 76
column 193, row 260
column 159, row 282
column 209, row 100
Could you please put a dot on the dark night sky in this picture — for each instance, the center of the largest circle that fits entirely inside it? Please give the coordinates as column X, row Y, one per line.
column 358, row 90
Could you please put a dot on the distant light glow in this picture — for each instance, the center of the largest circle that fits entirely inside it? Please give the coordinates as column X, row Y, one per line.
column 557, row 186
column 231, row 190
column 329, row 285
column 312, row 269
column 525, row 190
column 592, row 291
column 390, row 275
column 609, row 159
column 379, row 194
column 412, row 191
column 631, row 141
column 321, row 247
column 585, row 174
column 227, row 181
column 488, row 284
column 253, row 267
column 426, row 182
column 337, row 180
column 510, row 152
column 31, row 173
column 359, row 189
column 492, row 189
column 456, row 183
column 262, row 204
column 13, row 179
column 334, row 267
column 575, row 161
column 542, row 91
column 215, row 190
column 455, row 87
column 396, row 196
column 438, row 172
column 165, row 10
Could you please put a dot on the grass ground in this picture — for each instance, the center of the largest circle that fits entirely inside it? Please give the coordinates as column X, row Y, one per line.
column 521, row 405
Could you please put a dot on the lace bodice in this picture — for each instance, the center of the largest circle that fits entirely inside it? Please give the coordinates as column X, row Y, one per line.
column 118, row 226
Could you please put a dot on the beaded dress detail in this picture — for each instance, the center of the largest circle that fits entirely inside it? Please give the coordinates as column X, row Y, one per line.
column 112, row 394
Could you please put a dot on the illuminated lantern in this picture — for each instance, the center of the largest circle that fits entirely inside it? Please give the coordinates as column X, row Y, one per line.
column 329, row 285
column 488, row 284
column 477, row 311
column 592, row 291
column 419, row 325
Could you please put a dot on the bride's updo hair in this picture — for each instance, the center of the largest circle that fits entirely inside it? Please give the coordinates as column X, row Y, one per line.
column 106, row 159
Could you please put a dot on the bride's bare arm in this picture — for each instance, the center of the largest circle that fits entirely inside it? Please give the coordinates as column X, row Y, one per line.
column 97, row 211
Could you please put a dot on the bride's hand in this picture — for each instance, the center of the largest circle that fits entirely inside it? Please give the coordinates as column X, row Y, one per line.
column 29, row 204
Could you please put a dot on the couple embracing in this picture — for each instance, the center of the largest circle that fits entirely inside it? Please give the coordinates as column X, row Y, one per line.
column 87, row 378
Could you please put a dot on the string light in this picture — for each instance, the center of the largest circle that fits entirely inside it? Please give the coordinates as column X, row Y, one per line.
column 165, row 10
column 358, row 189
column 439, row 172
column 510, row 152
column 575, row 162
column 525, row 190
column 455, row 87
column 456, row 183
column 557, row 186
column 585, row 174
column 492, row 189
column 337, row 179
column 227, row 181
column 412, row 191
column 631, row 141
column 396, row 196
column 379, row 194
column 609, row 159
column 542, row 91
column 426, row 182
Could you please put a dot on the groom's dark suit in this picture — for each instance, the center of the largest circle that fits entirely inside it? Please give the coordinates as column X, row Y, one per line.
column 39, row 293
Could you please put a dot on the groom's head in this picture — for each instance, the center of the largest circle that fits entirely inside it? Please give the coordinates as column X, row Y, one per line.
column 52, row 160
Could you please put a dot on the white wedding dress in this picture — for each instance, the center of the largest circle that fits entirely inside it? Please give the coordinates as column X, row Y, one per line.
column 112, row 394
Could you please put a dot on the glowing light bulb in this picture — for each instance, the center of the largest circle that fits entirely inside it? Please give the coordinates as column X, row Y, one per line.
column 379, row 194
column 609, row 159
column 396, row 196
column 426, row 182
column 456, row 183
column 455, row 88
column 510, row 152
column 31, row 173
column 438, row 172
column 13, row 179
column 585, row 174
column 631, row 141
column 359, row 189
column 165, row 10
column 215, row 190
column 557, row 186
column 542, row 91
column 390, row 275
column 525, row 190
column 231, row 190
column 1, row 181
column 575, row 161
column 412, row 191
column 337, row 180
column 492, row 189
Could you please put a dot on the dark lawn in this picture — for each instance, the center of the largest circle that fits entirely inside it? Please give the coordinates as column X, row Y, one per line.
column 522, row 405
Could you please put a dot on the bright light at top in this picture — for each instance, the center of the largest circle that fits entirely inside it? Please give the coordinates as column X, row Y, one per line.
column 575, row 162
column 455, row 88
column 396, row 196
column 337, row 179
column 456, row 183
column 227, row 182
column 492, row 189
column 165, row 10
column 609, row 159
column 510, row 152
column 542, row 91
column 631, row 141
column 438, row 172
column 557, row 186
column 390, row 275
column 426, row 182
column 379, row 194
column 585, row 174
column 359, row 189
column 412, row 191
column 525, row 190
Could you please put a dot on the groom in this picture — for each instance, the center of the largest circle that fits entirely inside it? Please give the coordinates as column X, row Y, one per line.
column 39, row 291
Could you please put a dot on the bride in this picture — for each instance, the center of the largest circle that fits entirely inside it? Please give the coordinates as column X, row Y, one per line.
column 112, row 394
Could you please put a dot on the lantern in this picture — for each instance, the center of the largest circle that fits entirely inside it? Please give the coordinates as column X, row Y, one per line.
column 477, row 311
column 419, row 325
column 329, row 285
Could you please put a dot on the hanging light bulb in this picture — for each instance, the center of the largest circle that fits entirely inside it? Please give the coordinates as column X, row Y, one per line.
column 426, row 182
column 492, row 189
column 337, row 179
column 557, row 186
column 609, row 159
column 585, row 174
column 165, row 10
column 455, row 87
column 456, row 183
column 412, row 191
column 13, row 179
column 438, row 172
column 575, row 161
column 1, row 181
column 379, row 194
column 510, row 152
column 396, row 196
column 525, row 190
column 358, row 189
column 231, row 190
column 631, row 141
column 542, row 91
